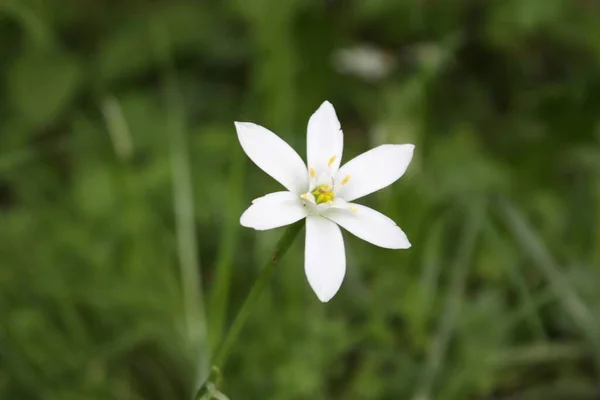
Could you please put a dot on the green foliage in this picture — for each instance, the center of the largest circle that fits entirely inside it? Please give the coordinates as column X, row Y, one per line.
column 40, row 85
column 122, row 183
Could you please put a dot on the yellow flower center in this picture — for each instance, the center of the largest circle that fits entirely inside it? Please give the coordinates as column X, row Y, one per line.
column 323, row 194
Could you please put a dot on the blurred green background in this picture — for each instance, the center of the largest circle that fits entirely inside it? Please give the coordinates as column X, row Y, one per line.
column 122, row 183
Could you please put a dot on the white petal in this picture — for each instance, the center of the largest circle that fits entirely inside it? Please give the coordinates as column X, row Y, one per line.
column 369, row 225
column 273, row 155
column 273, row 210
column 325, row 140
column 373, row 170
column 309, row 197
column 339, row 203
column 324, row 257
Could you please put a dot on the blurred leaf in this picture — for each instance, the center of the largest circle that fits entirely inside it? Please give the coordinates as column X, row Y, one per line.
column 129, row 49
column 41, row 85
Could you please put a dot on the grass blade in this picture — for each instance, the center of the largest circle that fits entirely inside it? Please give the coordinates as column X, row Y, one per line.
column 501, row 248
column 447, row 324
column 219, row 295
column 183, row 203
column 118, row 128
column 541, row 257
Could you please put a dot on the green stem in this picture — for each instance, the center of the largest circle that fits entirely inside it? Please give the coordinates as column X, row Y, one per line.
column 280, row 249
column 219, row 295
column 183, row 201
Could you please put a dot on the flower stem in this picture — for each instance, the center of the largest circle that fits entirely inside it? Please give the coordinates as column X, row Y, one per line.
column 280, row 249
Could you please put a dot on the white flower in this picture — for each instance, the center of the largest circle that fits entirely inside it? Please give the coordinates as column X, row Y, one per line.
column 323, row 192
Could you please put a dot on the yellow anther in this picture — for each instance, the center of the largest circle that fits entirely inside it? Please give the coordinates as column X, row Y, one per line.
column 304, row 196
column 312, row 173
column 353, row 209
column 323, row 194
column 325, row 198
column 331, row 161
column 346, row 179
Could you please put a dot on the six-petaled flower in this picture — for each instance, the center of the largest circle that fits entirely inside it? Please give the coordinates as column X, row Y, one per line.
column 323, row 193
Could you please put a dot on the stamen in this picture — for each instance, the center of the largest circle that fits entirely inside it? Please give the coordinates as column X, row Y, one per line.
column 346, row 179
column 312, row 173
column 304, row 196
column 331, row 161
column 323, row 194
column 353, row 209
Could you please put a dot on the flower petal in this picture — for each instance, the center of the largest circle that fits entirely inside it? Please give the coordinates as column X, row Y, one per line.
column 273, row 210
column 324, row 257
column 273, row 155
column 373, row 170
column 339, row 203
column 325, row 140
column 369, row 225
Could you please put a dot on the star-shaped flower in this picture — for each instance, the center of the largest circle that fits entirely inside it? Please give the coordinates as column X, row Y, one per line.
column 323, row 193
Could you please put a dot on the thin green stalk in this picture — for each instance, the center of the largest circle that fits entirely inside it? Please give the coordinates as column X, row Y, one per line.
column 117, row 128
column 539, row 353
column 515, row 273
column 431, row 267
column 185, row 220
column 280, row 249
column 238, row 323
column 567, row 295
column 219, row 295
column 454, row 299
column 183, row 201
